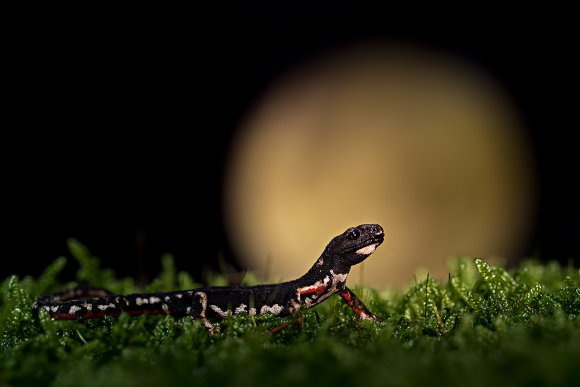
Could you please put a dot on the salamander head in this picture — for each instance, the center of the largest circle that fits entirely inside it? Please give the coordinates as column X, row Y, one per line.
column 354, row 245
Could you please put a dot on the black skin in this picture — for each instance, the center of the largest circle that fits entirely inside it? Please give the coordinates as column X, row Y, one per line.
column 326, row 277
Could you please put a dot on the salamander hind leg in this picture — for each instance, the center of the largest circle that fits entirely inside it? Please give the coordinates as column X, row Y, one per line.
column 199, row 312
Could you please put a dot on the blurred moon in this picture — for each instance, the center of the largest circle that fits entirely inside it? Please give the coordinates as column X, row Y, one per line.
column 421, row 142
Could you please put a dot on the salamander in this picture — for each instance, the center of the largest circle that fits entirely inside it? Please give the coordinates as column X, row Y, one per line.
column 325, row 278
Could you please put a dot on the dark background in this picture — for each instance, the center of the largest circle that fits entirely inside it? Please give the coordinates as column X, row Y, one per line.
column 117, row 124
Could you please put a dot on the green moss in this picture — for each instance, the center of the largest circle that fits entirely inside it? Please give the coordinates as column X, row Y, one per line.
column 485, row 325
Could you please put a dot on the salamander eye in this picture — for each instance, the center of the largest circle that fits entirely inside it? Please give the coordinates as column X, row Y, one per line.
column 353, row 234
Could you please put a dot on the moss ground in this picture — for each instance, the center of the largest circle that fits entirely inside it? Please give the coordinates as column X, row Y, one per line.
column 486, row 325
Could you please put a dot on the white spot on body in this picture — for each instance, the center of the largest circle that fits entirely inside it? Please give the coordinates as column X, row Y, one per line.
column 274, row 309
column 73, row 309
column 154, row 300
column 220, row 312
column 54, row 308
column 88, row 306
column 139, row 301
column 337, row 278
column 165, row 308
column 188, row 310
column 367, row 249
column 240, row 309
column 167, row 298
column 105, row 307
column 179, row 295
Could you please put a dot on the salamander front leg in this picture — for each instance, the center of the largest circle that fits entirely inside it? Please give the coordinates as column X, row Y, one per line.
column 294, row 305
column 356, row 305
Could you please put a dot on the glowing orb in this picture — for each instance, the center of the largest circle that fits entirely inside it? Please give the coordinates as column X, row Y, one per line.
column 422, row 143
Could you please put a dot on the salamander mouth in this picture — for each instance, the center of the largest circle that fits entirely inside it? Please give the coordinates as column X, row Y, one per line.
column 369, row 246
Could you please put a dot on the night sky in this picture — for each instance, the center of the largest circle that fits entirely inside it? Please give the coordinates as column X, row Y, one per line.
column 117, row 128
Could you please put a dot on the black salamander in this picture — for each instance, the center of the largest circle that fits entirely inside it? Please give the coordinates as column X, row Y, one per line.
column 326, row 277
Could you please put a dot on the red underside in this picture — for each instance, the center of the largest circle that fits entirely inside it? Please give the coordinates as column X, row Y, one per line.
column 91, row 315
column 138, row 312
column 87, row 315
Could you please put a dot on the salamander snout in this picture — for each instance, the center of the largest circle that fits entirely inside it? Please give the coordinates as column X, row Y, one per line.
column 376, row 229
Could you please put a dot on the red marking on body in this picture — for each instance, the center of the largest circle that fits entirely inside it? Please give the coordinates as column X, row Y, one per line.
column 315, row 289
column 137, row 312
column 64, row 316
